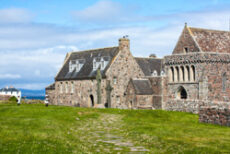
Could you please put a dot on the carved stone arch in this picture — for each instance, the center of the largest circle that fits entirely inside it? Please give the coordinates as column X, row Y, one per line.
column 187, row 72
column 181, row 93
column 177, row 74
column 192, row 73
column 182, row 74
column 171, row 74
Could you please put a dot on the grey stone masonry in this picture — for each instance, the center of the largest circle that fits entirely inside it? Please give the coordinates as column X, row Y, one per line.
column 215, row 113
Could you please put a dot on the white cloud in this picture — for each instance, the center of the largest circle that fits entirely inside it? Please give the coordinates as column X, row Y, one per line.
column 15, row 15
column 10, row 76
column 31, row 86
column 104, row 11
column 31, row 54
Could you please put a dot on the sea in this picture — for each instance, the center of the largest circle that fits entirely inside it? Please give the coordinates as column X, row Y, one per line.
column 35, row 97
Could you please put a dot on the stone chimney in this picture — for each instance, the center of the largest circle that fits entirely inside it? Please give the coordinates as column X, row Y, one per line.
column 124, row 43
column 152, row 56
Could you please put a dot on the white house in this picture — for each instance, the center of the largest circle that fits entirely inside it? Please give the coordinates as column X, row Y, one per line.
column 11, row 91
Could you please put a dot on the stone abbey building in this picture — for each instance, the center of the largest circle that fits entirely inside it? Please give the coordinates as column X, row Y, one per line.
column 195, row 76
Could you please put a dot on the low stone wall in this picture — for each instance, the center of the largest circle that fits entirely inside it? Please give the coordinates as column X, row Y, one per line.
column 215, row 113
column 191, row 106
column 4, row 97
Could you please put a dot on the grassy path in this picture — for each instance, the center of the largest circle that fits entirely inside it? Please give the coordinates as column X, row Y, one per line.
column 105, row 134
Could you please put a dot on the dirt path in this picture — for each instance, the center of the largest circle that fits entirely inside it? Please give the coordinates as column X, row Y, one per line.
column 106, row 135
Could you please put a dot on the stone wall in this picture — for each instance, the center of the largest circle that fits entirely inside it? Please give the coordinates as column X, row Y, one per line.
column 123, row 68
column 191, row 106
column 82, row 94
column 215, row 113
column 134, row 101
column 158, row 87
column 4, row 97
column 50, row 94
column 187, row 41
column 208, row 84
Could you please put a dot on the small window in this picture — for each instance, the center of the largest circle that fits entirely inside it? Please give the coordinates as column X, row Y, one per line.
column 72, row 88
column 114, row 80
column 224, row 79
column 66, row 88
column 102, row 65
column 61, row 90
column 186, row 50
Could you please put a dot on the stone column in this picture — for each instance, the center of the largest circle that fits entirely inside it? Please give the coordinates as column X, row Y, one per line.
column 180, row 74
column 98, row 77
column 108, row 89
column 170, row 74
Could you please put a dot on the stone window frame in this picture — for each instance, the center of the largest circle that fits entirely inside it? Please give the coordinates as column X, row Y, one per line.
column 224, row 80
column 61, row 88
column 72, row 87
column 66, row 87
column 182, row 74
column 179, row 92
column 186, row 49
column 114, row 80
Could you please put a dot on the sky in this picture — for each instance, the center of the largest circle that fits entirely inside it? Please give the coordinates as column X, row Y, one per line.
column 35, row 35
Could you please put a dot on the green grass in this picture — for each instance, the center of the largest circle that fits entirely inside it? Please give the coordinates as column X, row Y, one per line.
column 35, row 128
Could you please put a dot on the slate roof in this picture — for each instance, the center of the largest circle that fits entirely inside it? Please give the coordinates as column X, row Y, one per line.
column 142, row 86
column 211, row 40
column 51, row 87
column 148, row 65
column 10, row 89
column 87, row 71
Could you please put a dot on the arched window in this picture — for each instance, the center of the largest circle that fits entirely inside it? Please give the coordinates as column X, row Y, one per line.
column 181, row 93
column 182, row 73
column 224, row 79
column 187, row 74
column 193, row 77
column 177, row 74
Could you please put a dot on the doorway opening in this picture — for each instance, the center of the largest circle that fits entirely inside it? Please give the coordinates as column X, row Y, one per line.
column 182, row 93
column 92, row 100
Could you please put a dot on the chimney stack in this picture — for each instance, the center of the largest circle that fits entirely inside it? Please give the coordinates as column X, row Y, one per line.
column 124, row 43
column 152, row 56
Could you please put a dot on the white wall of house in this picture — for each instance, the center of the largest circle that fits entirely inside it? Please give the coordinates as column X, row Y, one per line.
column 17, row 94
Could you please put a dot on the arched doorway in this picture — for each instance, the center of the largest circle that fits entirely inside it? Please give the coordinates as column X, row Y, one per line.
column 92, row 100
column 182, row 93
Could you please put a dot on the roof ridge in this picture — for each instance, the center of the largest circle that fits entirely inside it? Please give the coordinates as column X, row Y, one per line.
column 93, row 49
column 148, row 58
column 206, row 29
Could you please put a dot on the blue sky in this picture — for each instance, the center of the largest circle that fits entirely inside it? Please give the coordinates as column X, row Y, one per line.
column 36, row 35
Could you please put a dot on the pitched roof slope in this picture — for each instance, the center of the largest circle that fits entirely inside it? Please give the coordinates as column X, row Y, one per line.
column 86, row 72
column 142, row 86
column 148, row 65
column 51, row 87
column 10, row 89
column 211, row 40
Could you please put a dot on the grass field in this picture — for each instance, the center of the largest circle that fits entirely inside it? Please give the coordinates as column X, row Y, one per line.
column 35, row 128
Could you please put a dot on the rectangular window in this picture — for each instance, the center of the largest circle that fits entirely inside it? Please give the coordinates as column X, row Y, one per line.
column 94, row 66
column 61, row 88
column 118, row 100
column 72, row 88
column 66, row 88
column 114, row 80
column 186, row 49
column 102, row 65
